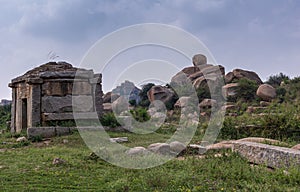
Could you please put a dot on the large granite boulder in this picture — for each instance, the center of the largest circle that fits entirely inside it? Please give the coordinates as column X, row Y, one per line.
column 161, row 93
column 266, row 92
column 238, row 74
column 199, row 59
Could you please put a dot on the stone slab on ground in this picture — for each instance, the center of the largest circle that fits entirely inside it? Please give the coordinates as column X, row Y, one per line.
column 41, row 131
column 118, row 139
column 271, row 156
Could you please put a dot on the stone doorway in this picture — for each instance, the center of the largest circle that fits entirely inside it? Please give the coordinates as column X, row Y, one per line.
column 24, row 114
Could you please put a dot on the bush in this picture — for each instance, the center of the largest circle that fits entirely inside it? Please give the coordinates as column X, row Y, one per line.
column 109, row 119
column 5, row 115
column 246, row 91
column 140, row 114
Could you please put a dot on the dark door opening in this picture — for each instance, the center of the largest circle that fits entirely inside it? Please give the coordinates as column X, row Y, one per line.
column 24, row 114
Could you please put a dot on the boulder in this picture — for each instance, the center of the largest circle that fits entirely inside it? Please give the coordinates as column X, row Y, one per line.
column 160, row 148
column 207, row 103
column 107, row 107
column 189, row 70
column 203, row 81
column 110, row 97
column 120, row 105
column 238, row 74
column 161, row 93
column 21, row 139
column 266, row 92
column 177, row 146
column 296, row 147
column 229, row 89
column 137, row 151
column 182, row 102
column 229, row 107
column 199, row 59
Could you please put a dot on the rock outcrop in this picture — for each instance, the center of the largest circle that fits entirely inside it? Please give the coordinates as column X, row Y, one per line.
column 238, row 74
column 161, row 93
column 229, row 89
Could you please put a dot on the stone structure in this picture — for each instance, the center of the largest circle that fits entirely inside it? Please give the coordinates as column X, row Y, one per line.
column 48, row 93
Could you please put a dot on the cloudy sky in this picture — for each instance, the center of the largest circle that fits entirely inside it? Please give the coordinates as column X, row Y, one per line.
column 258, row 35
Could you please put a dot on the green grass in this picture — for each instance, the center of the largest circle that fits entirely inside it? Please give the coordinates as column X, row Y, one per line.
column 29, row 168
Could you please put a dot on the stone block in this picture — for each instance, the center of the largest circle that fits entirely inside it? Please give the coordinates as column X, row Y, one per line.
column 82, row 88
column 271, row 156
column 62, row 131
column 41, row 131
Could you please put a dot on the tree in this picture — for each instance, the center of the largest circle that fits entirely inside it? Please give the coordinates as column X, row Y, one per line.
column 275, row 80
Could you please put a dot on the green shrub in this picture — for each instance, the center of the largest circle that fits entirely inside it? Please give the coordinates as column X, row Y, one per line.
column 275, row 80
column 140, row 114
column 245, row 92
column 5, row 115
column 109, row 119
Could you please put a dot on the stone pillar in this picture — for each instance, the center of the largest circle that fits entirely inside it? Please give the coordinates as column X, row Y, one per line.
column 97, row 93
column 13, row 109
column 35, row 102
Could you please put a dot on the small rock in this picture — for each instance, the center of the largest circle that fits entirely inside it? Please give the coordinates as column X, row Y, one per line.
column 160, row 148
column 21, row 139
column 65, row 141
column 177, row 146
column 137, row 151
column 118, row 139
column 264, row 103
column 58, row 161
column 196, row 149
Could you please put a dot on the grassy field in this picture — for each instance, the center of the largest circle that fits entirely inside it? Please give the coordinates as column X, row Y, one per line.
column 28, row 167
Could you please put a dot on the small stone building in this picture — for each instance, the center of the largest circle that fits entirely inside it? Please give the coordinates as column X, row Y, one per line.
column 45, row 94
